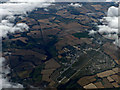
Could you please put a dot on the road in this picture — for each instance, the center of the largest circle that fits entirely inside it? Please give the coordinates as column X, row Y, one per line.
column 64, row 80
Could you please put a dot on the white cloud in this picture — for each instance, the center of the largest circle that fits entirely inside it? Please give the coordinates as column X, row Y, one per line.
column 112, row 11
column 6, row 27
column 92, row 32
column 107, row 29
column 86, row 0
column 4, row 81
column 111, row 29
column 76, row 4
column 31, row 0
column 8, row 11
column 112, row 0
column 19, row 7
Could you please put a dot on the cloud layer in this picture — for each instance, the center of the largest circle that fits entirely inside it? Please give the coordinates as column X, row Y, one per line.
column 112, row 28
column 109, row 29
column 4, row 82
column 8, row 12
column 86, row 0
column 110, row 25
column 11, row 8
